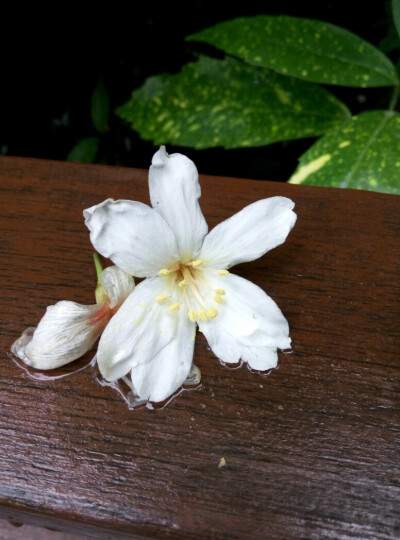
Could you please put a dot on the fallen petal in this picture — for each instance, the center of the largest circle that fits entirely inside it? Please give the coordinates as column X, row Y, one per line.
column 66, row 332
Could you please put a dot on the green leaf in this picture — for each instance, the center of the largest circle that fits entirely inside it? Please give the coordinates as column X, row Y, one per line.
column 85, row 150
column 396, row 14
column 228, row 103
column 362, row 153
column 100, row 107
column 310, row 50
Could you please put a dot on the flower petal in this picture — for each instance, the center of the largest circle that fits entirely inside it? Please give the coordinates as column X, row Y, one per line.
column 117, row 285
column 249, row 234
column 230, row 350
column 174, row 193
column 65, row 333
column 164, row 374
column 138, row 331
column 133, row 235
column 260, row 358
column 247, row 319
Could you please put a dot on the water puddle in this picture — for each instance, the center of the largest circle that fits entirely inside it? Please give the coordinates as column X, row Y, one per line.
column 123, row 386
column 126, row 390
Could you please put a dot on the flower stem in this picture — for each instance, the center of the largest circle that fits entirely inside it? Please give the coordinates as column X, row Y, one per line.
column 99, row 268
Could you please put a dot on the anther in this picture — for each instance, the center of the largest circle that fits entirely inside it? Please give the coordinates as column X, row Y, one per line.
column 161, row 298
column 196, row 263
column 203, row 314
column 182, row 283
column 212, row 312
column 164, row 272
column 223, row 272
column 218, row 298
column 220, row 291
column 173, row 307
column 192, row 315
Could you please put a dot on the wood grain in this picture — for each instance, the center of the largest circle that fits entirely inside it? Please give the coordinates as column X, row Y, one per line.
column 311, row 449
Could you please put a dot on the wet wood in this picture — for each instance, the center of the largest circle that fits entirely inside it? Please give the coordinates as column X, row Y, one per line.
column 311, row 450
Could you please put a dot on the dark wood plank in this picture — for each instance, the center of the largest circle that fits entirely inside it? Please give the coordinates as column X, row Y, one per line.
column 311, row 450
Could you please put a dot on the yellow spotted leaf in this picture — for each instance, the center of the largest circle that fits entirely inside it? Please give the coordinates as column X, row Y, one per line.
column 231, row 104
column 362, row 153
column 307, row 49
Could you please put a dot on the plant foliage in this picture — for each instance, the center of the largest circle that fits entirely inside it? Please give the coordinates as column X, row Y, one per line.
column 204, row 106
column 311, row 50
column 266, row 89
column 360, row 153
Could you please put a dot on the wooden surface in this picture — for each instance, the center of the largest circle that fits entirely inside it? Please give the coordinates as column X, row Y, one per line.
column 17, row 531
column 311, row 450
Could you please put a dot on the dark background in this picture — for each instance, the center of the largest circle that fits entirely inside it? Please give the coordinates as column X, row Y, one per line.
column 52, row 60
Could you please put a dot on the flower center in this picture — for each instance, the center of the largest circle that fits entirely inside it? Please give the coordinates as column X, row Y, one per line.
column 187, row 282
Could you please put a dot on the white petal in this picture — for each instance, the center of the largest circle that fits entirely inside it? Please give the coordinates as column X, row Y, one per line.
column 133, row 235
column 174, row 193
column 117, row 284
column 250, row 233
column 137, row 332
column 260, row 358
column 247, row 319
column 223, row 344
column 231, row 350
column 165, row 373
column 65, row 333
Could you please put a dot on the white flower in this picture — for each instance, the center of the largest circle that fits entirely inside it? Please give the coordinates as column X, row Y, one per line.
column 68, row 329
column 187, row 281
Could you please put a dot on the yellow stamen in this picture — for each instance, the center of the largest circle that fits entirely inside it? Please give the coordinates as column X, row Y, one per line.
column 223, row 272
column 161, row 298
column 192, row 315
column 182, row 283
column 173, row 307
column 220, row 291
column 203, row 314
column 196, row 263
column 164, row 272
column 212, row 312
column 218, row 298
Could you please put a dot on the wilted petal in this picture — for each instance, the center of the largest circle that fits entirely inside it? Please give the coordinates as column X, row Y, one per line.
column 165, row 373
column 250, row 233
column 117, row 285
column 137, row 332
column 133, row 235
column 174, row 192
column 65, row 333
column 19, row 345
